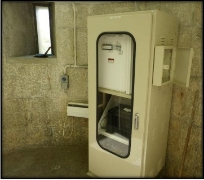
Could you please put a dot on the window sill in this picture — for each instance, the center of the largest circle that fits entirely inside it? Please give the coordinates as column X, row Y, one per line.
column 32, row 60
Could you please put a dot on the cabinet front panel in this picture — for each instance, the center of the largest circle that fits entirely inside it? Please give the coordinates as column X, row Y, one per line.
column 126, row 83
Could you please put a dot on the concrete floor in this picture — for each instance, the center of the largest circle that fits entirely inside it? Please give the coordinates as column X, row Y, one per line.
column 47, row 162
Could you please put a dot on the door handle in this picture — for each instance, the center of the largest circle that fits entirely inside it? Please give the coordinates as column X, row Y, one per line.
column 136, row 123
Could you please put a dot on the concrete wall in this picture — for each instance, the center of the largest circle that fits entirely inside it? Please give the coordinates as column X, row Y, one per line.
column 34, row 105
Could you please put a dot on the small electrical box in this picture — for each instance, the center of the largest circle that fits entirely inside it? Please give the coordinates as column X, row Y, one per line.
column 172, row 64
column 64, row 81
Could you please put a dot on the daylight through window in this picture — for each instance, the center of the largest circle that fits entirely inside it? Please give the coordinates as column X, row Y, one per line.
column 43, row 29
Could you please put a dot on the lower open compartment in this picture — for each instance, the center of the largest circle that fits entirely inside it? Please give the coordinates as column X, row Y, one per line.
column 114, row 123
column 113, row 145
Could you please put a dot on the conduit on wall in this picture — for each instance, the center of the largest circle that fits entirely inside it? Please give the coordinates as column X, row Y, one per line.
column 74, row 66
column 75, row 59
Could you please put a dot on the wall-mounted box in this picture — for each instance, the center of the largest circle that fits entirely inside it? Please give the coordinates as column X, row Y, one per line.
column 172, row 65
column 77, row 109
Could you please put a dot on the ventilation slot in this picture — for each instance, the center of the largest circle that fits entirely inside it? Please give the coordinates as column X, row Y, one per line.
column 158, row 88
column 164, row 109
column 162, row 41
column 171, row 41
column 162, row 127
column 154, row 133
column 155, row 113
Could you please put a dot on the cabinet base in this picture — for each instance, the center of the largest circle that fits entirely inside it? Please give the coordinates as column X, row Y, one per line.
column 91, row 175
column 159, row 175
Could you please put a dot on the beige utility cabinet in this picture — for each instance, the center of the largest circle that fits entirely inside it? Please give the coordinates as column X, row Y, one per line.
column 133, row 62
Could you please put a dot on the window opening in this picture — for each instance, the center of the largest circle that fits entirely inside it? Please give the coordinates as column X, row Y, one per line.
column 43, row 29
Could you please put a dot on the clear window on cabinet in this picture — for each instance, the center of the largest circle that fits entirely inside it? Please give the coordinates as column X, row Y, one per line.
column 115, row 91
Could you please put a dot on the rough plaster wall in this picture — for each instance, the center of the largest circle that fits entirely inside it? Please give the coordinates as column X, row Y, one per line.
column 42, row 112
column 18, row 29
column 34, row 105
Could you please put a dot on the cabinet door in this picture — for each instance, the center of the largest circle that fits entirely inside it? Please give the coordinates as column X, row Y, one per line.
column 182, row 69
column 172, row 65
column 115, row 67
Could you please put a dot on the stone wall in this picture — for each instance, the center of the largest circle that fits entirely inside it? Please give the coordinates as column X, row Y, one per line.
column 34, row 105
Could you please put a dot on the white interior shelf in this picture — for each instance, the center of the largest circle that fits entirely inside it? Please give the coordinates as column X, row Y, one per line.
column 114, row 136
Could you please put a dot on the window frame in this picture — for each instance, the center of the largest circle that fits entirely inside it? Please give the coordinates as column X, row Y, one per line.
column 50, row 9
column 133, row 83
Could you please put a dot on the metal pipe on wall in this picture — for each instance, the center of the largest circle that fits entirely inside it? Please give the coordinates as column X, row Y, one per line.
column 75, row 54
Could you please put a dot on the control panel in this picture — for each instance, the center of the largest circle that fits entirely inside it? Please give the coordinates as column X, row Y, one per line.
column 115, row 62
